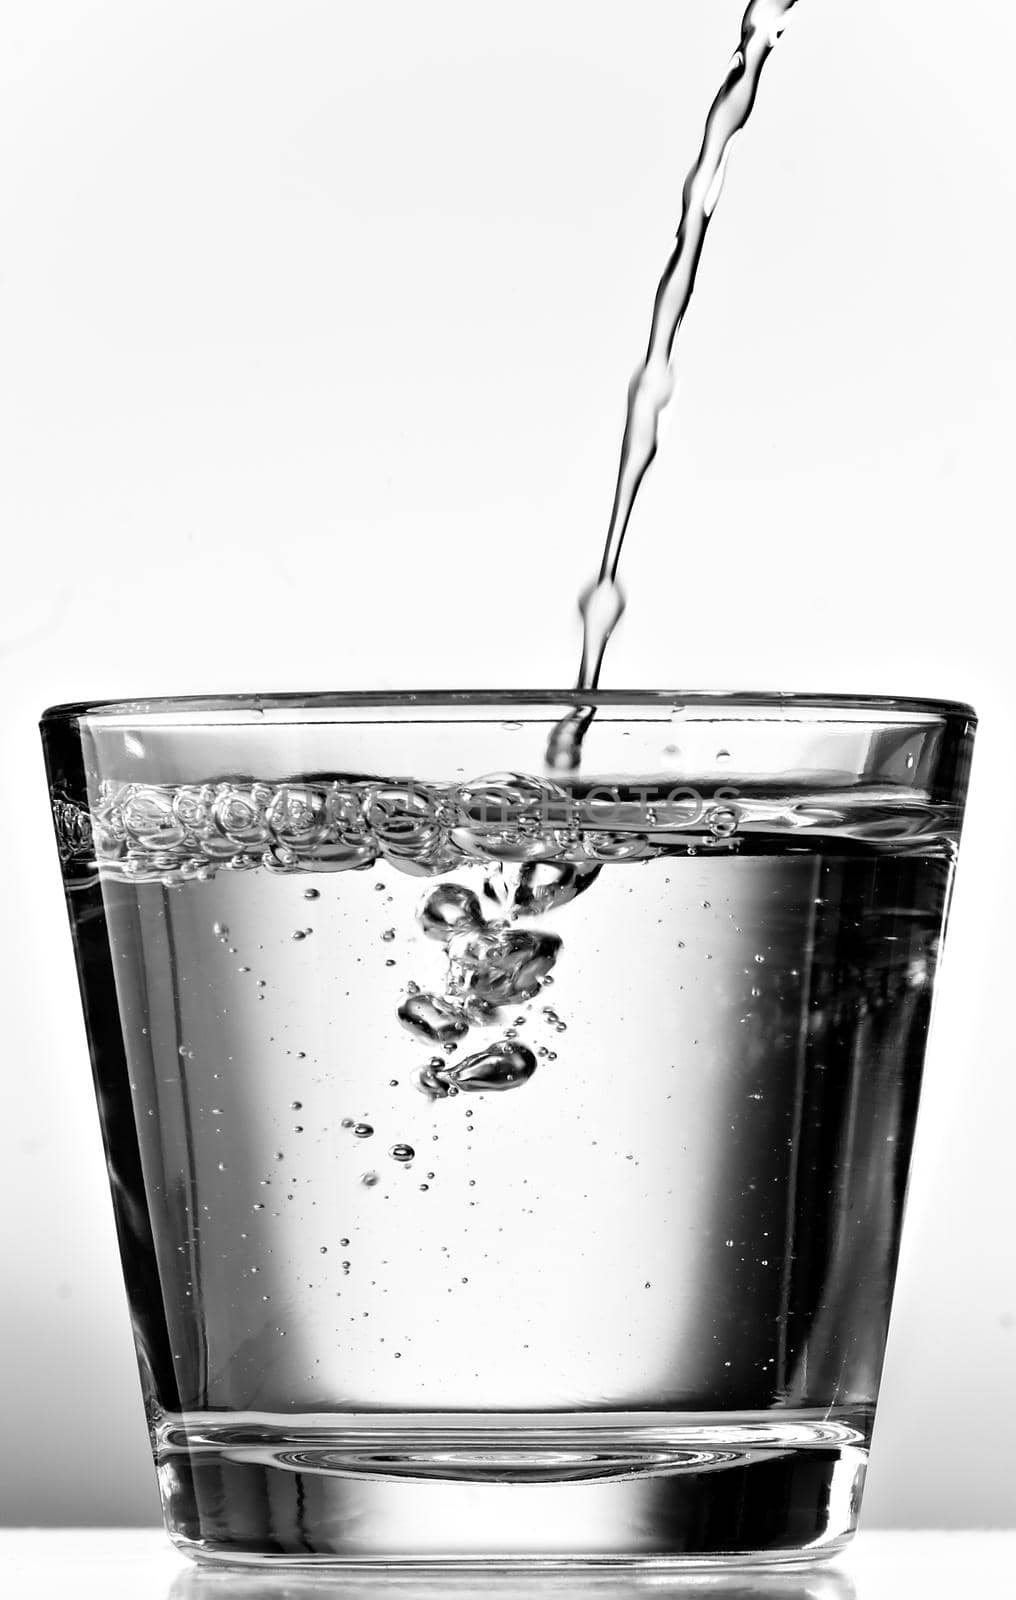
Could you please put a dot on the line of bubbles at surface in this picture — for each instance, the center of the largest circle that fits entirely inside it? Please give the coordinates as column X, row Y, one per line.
column 173, row 832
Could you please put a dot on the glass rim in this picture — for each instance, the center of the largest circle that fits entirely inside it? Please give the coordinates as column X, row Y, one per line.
column 253, row 706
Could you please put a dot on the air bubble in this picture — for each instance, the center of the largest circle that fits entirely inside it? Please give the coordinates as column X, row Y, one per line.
column 388, row 935
column 505, row 965
column 479, row 1013
column 369, row 1179
column 722, row 821
column 428, row 1017
column 363, row 1130
column 312, row 894
column 535, row 888
column 449, row 909
column 503, row 1066
column 402, row 1152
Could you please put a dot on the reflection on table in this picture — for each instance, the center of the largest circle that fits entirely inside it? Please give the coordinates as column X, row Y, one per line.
column 209, row 1583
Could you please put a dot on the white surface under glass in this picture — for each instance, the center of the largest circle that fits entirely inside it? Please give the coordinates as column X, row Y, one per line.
column 140, row 1564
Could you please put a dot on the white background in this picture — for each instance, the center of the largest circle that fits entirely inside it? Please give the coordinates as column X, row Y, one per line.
column 315, row 325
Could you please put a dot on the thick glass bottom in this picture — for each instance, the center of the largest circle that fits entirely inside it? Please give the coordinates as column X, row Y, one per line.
column 452, row 1492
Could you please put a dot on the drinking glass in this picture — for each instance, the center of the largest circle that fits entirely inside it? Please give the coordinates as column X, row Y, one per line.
column 508, row 1165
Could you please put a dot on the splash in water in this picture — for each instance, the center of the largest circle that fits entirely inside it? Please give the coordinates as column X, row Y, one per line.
column 602, row 603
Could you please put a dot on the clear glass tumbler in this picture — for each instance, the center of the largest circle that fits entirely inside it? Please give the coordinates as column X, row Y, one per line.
column 508, row 1166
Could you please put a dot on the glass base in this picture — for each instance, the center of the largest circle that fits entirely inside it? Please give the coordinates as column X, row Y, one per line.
column 722, row 1490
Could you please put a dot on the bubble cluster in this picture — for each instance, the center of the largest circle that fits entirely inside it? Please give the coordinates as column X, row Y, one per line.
column 169, row 833
column 489, row 966
column 513, row 823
